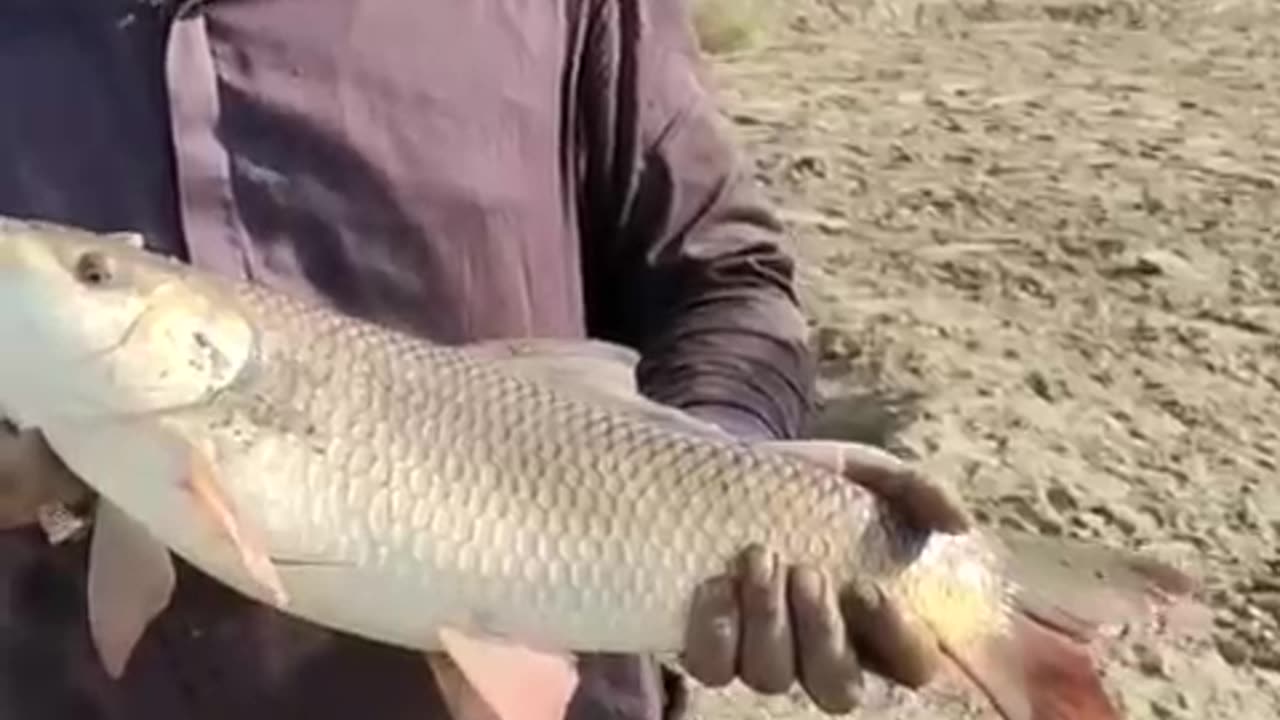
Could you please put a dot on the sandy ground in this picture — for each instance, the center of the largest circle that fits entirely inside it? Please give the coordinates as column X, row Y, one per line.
column 1041, row 248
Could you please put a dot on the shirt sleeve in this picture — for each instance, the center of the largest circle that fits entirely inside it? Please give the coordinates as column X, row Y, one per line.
column 683, row 258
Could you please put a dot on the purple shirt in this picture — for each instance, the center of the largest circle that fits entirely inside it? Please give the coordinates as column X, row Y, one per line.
column 465, row 170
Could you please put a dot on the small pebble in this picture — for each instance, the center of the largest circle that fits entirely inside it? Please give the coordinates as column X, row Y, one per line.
column 1164, row 710
column 1125, row 520
column 1269, row 659
column 1248, row 515
column 1040, row 385
column 1269, row 603
column 60, row 524
column 1233, row 651
column 833, row 344
column 1062, row 498
column 1050, row 527
column 1238, row 604
column 1266, row 583
column 1151, row 661
column 1157, row 262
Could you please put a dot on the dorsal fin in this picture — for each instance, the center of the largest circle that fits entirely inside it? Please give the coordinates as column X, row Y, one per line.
column 596, row 370
column 604, row 365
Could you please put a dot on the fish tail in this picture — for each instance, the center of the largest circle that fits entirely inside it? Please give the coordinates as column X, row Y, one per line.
column 1064, row 596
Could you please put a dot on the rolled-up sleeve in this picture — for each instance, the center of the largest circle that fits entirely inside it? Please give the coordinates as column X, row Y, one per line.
column 685, row 259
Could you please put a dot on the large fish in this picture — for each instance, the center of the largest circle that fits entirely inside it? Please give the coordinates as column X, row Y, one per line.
column 504, row 502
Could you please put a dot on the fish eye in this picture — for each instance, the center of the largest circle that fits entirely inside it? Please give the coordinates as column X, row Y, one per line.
column 93, row 268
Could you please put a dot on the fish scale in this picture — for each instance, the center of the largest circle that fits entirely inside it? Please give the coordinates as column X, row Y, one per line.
column 552, row 488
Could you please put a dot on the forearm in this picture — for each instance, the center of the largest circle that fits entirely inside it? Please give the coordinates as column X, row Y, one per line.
column 723, row 332
column 739, row 361
column 685, row 260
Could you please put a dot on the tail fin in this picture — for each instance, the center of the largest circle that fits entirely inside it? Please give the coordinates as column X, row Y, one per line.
column 1066, row 594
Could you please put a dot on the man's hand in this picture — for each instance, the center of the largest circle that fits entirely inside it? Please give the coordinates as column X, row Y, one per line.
column 772, row 625
column 31, row 476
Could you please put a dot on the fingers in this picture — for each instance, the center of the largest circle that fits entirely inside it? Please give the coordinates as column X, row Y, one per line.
column 896, row 647
column 828, row 665
column 712, row 633
column 773, row 625
column 770, row 626
column 31, row 476
column 767, row 653
column 924, row 503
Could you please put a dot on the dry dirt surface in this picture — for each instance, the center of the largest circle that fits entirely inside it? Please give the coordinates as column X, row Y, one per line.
column 1040, row 244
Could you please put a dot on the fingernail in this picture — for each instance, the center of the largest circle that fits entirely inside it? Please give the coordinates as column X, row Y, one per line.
column 810, row 581
column 864, row 596
column 717, row 592
column 951, row 516
column 762, row 563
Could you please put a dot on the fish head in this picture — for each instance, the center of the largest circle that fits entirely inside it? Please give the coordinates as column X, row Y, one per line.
column 94, row 326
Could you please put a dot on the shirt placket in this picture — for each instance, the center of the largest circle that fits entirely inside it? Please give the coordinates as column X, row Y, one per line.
column 215, row 237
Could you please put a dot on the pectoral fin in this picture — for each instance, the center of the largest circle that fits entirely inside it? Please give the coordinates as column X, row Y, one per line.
column 142, row 460
column 602, row 372
column 216, row 506
column 131, row 579
column 593, row 361
column 503, row 681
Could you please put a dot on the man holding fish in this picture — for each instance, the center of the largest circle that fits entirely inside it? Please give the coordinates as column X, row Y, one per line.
column 465, row 172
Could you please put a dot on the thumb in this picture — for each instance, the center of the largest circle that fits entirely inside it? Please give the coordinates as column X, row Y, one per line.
column 921, row 502
column 31, row 476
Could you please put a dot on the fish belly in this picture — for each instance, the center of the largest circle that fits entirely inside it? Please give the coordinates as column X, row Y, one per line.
column 592, row 561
